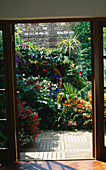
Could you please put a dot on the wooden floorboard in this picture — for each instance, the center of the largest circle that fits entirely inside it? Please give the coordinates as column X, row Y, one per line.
column 56, row 165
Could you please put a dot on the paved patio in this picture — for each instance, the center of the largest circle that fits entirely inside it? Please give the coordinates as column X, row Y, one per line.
column 59, row 145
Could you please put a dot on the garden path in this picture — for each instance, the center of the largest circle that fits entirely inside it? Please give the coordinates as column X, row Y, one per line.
column 59, row 145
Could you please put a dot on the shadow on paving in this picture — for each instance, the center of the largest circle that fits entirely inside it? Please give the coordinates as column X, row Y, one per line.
column 60, row 145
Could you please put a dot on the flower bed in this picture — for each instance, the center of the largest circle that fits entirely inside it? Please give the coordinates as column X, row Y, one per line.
column 28, row 124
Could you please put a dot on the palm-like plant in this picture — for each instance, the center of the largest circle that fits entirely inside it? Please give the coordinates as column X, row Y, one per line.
column 71, row 43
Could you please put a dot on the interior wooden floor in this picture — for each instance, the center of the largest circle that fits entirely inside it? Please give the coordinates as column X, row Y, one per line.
column 56, row 165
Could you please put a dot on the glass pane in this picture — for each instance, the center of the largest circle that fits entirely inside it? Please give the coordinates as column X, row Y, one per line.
column 3, row 120
column 104, row 72
column 2, row 75
column 3, row 134
column 2, row 106
column 105, row 101
column 1, row 45
column 104, row 41
column 1, row 62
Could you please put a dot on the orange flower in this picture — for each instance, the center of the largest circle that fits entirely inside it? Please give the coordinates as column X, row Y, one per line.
column 69, row 100
column 80, row 107
column 75, row 110
column 69, row 105
column 75, row 102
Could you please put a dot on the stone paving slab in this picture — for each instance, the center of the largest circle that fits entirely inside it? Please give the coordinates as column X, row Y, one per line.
column 60, row 145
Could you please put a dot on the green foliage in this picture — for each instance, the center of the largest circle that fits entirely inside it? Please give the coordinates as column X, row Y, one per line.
column 104, row 40
column 75, row 75
column 69, row 89
column 85, row 40
column 48, row 110
column 84, row 91
column 37, row 84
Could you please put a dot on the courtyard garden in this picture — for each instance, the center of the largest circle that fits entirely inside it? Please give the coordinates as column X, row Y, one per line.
column 54, row 85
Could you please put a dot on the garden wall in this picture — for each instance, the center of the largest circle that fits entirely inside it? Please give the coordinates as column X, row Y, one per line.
column 45, row 34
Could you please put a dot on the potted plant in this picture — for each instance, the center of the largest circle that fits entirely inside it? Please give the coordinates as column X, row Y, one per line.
column 71, row 44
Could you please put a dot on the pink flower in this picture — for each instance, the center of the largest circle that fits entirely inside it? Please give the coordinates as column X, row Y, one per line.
column 23, row 45
column 69, row 124
column 80, row 73
column 20, row 111
column 19, row 101
column 33, row 137
column 35, row 81
column 23, row 103
column 23, row 117
column 37, row 133
column 30, row 112
column 35, row 116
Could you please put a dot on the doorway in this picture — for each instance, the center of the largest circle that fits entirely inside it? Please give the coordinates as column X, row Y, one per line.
column 45, row 67
column 97, row 83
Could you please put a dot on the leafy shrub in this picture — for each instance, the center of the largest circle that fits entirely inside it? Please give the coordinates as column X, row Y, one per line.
column 75, row 75
column 36, row 92
column 85, row 40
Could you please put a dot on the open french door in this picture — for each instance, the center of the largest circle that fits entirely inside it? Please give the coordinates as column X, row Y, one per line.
column 8, row 135
column 99, row 51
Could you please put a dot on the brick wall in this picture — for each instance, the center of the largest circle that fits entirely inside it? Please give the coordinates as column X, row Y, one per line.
column 45, row 34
